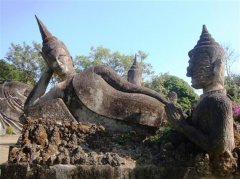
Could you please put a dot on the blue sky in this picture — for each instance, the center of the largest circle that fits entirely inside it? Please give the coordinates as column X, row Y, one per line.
column 166, row 30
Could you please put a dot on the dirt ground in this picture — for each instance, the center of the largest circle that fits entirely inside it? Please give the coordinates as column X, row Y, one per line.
column 5, row 142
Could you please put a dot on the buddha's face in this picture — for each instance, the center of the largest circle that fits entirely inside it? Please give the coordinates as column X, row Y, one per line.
column 63, row 64
column 60, row 62
column 200, row 69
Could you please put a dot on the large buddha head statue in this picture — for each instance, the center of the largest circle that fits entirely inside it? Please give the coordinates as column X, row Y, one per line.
column 206, row 64
column 55, row 53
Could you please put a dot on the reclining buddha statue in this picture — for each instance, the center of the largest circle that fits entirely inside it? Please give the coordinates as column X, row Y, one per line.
column 97, row 93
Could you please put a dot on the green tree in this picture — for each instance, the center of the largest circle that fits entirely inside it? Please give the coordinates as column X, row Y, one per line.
column 236, row 79
column 121, row 63
column 9, row 72
column 233, row 87
column 165, row 83
column 26, row 58
column 231, row 57
column 232, row 81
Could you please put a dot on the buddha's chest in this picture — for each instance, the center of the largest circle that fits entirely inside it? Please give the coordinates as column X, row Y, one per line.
column 202, row 117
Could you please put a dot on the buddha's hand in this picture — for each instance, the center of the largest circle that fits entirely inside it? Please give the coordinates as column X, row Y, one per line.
column 175, row 115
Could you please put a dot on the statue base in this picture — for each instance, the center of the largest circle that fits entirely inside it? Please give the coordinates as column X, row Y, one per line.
column 24, row 170
column 71, row 149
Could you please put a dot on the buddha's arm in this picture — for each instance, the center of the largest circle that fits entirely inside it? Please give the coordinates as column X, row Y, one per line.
column 196, row 136
column 39, row 89
column 220, row 136
column 178, row 122
column 193, row 134
column 113, row 79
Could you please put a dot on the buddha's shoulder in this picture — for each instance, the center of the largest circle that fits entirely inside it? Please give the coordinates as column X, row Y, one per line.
column 217, row 98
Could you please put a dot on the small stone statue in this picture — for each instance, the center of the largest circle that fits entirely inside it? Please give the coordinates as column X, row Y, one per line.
column 173, row 97
column 135, row 73
column 211, row 124
column 95, row 93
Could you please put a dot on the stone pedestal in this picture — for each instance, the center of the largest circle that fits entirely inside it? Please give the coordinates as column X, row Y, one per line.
column 20, row 171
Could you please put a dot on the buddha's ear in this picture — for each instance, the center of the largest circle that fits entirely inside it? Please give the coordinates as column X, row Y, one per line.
column 217, row 65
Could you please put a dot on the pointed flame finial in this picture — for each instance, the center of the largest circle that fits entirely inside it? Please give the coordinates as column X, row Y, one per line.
column 206, row 39
column 43, row 30
column 135, row 60
column 204, row 29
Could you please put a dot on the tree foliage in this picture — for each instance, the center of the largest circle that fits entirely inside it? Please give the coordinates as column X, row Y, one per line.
column 121, row 63
column 11, row 72
column 165, row 83
column 231, row 57
column 232, row 81
column 233, row 87
column 26, row 58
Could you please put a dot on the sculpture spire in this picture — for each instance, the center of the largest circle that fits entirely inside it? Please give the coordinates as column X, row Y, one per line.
column 204, row 29
column 206, row 39
column 135, row 60
column 135, row 73
column 44, row 31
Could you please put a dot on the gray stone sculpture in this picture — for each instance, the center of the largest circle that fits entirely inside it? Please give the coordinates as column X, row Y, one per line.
column 12, row 97
column 87, row 150
column 99, row 91
column 98, row 94
column 135, row 73
column 211, row 123
column 173, row 97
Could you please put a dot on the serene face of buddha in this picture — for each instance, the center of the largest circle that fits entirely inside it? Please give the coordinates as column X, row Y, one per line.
column 55, row 53
column 60, row 61
column 200, row 68
column 63, row 64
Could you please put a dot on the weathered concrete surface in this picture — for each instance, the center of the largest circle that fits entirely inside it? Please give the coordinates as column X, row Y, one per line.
column 104, row 99
column 12, row 97
column 53, row 109
column 71, row 149
column 19, row 171
column 210, row 125
column 99, row 89
column 58, row 111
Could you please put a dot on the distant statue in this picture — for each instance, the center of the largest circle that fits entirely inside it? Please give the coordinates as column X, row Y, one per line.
column 12, row 98
column 135, row 73
column 95, row 93
column 173, row 97
column 211, row 124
